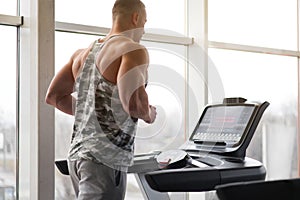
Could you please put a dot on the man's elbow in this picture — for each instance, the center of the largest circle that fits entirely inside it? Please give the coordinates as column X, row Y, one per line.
column 50, row 99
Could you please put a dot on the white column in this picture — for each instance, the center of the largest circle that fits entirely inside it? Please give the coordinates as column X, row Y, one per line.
column 197, row 67
column 204, row 80
column 36, row 124
column 197, row 60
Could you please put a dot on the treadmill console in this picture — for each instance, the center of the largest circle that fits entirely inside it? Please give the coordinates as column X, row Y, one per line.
column 226, row 128
column 223, row 125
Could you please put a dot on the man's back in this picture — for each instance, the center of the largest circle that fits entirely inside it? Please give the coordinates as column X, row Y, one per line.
column 103, row 131
column 108, row 61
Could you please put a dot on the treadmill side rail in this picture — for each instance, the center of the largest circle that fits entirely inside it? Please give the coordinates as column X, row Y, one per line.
column 244, row 174
column 187, row 180
column 201, row 179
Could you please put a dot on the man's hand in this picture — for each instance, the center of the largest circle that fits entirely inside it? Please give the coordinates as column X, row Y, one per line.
column 153, row 113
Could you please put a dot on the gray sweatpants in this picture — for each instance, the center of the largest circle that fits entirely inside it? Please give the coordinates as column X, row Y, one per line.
column 94, row 181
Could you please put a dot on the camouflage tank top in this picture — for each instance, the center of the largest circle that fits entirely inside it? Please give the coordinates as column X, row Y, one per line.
column 103, row 131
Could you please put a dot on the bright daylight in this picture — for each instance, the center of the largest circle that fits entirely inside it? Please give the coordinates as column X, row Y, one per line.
column 149, row 100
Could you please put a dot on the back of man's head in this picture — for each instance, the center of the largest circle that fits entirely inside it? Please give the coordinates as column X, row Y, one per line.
column 124, row 8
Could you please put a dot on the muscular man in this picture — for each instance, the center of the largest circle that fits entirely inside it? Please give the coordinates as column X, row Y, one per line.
column 109, row 78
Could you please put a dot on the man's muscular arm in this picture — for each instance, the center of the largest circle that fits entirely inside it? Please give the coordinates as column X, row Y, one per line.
column 131, row 84
column 61, row 87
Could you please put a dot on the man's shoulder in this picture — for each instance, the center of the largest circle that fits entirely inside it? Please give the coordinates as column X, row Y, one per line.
column 124, row 45
column 80, row 54
column 126, row 41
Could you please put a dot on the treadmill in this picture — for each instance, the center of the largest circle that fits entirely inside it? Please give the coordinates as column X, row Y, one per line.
column 219, row 141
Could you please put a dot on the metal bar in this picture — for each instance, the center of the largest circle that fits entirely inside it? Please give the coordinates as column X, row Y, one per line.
column 168, row 39
column 17, row 131
column 298, row 96
column 205, row 42
column 298, row 117
column 78, row 28
column 11, row 20
column 94, row 30
column 255, row 49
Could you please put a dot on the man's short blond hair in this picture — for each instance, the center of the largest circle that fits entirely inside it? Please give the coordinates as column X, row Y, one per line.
column 125, row 8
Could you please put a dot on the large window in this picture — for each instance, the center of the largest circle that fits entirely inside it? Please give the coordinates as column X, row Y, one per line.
column 260, row 77
column 264, row 23
column 8, row 145
column 246, row 70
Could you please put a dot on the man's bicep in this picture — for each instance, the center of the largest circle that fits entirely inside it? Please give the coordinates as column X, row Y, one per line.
column 65, row 79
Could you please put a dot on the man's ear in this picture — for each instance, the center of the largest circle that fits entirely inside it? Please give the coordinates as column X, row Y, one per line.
column 135, row 18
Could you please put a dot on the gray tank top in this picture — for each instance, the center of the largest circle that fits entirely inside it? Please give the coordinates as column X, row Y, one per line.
column 103, row 131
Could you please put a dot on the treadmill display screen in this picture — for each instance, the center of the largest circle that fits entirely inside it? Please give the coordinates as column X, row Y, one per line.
column 223, row 125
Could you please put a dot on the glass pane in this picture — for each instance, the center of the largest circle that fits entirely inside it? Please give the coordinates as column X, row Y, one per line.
column 98, row 13
column 166, row 94
column 163, row 20
column 264, row 23
column 89, row 12
column 263, row 77
column 8, row 144
column 8, row 7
